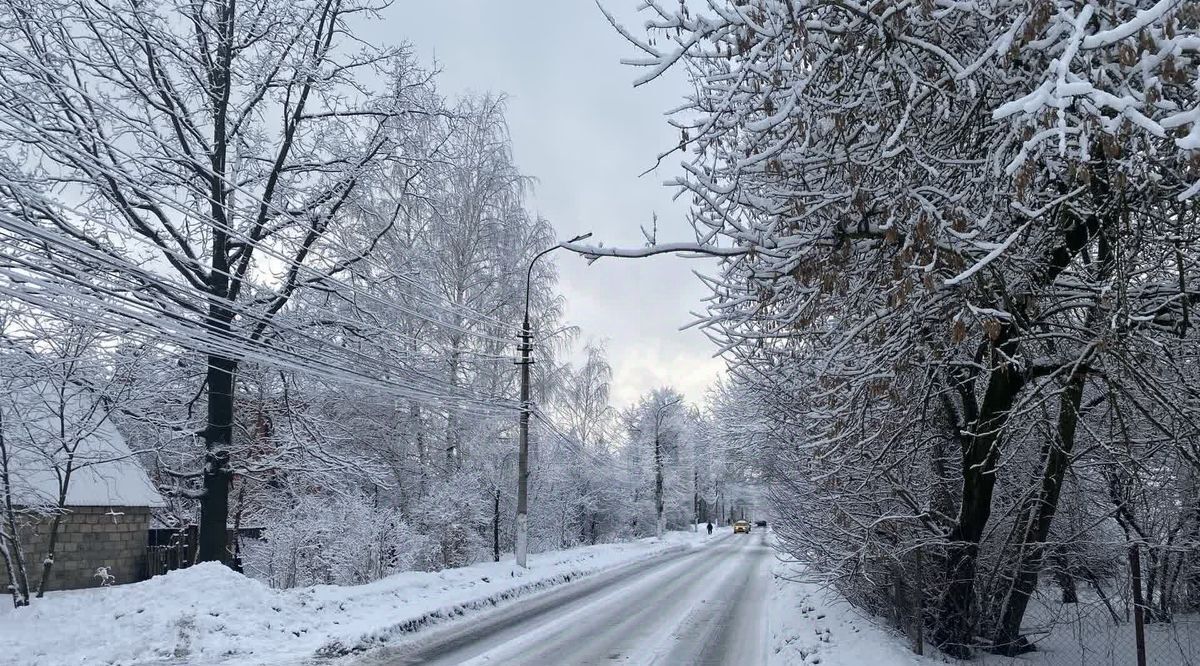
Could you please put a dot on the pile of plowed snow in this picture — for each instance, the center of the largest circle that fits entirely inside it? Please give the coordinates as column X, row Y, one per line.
column 208, row 614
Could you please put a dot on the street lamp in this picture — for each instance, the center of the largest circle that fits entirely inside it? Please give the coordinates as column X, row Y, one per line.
column 523, row 457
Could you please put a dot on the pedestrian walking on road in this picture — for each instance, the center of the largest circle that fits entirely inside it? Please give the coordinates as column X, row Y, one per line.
column 710, row 528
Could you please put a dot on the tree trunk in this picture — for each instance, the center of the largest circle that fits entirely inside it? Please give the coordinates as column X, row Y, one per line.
column 48, row 560
column 61, row 508
column 235, row 548
column 8, row 566
column 955, row 630
column 453, row 457
column 658, row 488
column 496, row 528
column 14, row 559
column 1056, row 456
column 414, row 413
column 1139, row 629
column 1065, row 579
column 218, row 437
column 218, row 432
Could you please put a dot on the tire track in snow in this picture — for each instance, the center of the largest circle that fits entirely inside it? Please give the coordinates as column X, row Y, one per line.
column 704, row 606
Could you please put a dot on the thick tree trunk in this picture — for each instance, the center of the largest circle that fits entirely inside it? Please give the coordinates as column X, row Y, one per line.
column 218, row 438
column 218, row 433
column 956, row 625
column 1056, row 456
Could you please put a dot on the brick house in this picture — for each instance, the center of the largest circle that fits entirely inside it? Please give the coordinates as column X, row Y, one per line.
column 107, row 510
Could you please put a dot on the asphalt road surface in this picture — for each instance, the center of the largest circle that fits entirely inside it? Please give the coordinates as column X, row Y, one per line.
column 700, row 606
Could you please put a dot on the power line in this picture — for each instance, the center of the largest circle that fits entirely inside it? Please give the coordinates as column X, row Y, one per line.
column 19, row 126
column 120, row 314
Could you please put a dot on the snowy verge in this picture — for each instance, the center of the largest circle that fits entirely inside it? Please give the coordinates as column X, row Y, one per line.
column 208, row 614
column 810, row 624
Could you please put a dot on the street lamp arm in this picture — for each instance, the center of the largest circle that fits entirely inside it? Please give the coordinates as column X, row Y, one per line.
column 691, row 250
column 539, row 255
column 529, row 276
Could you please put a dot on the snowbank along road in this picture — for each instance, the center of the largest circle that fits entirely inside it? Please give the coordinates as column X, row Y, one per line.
column 703, row 606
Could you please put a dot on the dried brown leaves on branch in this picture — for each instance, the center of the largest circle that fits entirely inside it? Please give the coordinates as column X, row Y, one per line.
column 965, row 230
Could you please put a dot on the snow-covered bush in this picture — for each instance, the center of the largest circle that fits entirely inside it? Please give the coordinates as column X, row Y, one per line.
column 453, row 524
column 343, row 540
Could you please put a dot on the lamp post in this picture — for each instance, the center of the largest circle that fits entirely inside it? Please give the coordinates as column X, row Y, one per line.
column 526, row 349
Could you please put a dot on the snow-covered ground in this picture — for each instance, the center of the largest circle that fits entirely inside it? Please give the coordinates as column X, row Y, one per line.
column 812, row 625
column 210, row 615
column 688, row 598
column 1084, row 633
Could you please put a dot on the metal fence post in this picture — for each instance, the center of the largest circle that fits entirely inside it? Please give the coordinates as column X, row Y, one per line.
column 920, row 603
column 1139, row 628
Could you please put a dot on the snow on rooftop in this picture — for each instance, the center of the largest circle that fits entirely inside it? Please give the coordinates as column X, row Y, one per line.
column 104, row 469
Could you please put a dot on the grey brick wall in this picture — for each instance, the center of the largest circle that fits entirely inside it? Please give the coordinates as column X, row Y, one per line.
column 89, row 537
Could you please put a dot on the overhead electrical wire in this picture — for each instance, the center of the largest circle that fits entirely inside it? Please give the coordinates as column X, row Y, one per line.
column 160, row 318
column 208, row 339
column 194, row 335
column 25, row 231
column 67, row 148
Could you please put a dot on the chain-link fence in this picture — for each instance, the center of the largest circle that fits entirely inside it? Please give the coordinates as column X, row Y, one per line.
column 1088, row 633
column 1076, row 619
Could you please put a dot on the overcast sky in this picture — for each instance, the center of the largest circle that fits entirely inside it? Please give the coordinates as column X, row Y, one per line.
column 585, row 133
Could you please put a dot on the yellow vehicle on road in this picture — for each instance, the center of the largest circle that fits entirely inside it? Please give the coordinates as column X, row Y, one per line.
column 741, row 526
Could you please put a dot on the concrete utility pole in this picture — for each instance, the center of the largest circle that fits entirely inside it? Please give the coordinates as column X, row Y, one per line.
column 526, row 349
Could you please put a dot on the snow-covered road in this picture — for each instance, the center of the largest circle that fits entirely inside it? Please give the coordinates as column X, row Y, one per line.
column 704, row 606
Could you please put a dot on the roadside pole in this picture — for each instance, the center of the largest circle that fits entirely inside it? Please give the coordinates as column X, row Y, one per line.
column 523, row 456
column 526, row 348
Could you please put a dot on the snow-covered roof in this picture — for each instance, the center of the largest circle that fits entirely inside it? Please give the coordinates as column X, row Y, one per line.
column 104, row 469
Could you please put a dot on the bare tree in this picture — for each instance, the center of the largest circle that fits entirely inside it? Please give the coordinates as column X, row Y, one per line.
column 657, row 423
column 221, row 141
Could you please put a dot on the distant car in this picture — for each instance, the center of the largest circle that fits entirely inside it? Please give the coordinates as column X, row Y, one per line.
column 741, row 526
column 760, row 523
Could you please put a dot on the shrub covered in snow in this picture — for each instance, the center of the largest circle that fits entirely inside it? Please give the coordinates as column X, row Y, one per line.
column 343, row 540
column 453, row 528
